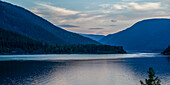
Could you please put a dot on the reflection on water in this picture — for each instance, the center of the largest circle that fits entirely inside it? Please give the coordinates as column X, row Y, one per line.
column 75, row 56
column 115, row 71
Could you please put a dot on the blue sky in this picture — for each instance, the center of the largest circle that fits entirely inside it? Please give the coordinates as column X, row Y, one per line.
column 109, row 16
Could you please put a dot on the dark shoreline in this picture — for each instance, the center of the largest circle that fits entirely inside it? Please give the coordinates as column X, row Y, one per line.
column 60, row 53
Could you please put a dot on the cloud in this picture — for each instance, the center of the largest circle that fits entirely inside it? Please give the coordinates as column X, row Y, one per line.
column 59, row 15
column 54, row 10
column 96, row 28
column 137, row 6
column 88, row 18
column 112, row 25
column 68, row 26
column 165, row 1
column 113, row 20
column 108, row 25
column 105, row 5
column 133, row 6
column 131, row 0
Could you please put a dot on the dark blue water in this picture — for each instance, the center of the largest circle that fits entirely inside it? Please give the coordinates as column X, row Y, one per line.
column 123, row 69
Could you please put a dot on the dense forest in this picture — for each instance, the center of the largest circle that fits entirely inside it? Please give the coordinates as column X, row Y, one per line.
column 13, row 43
column 166, row 51
column 89, row 49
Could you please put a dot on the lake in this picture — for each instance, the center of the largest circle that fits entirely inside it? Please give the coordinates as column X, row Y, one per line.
column 82, row 69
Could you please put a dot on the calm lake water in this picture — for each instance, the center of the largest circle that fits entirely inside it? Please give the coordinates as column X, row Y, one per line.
column 82, row 69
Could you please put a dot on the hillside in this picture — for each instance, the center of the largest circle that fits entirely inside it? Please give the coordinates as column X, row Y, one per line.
column 93, row 37
column 151, row 34
column 24, row 22
column 13, row 43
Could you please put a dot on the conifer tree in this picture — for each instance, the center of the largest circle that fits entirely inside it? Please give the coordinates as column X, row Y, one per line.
column 153, row 80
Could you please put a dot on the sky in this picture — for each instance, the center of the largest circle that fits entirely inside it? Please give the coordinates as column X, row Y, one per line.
column 101, row 17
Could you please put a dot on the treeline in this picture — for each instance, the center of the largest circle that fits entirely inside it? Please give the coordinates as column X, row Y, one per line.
column 89, row 49
column 166, row 51
column 13, row 43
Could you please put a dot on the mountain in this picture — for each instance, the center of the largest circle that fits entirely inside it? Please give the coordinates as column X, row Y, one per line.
column 150, row 34
column 93, row 37
column 14, row 43
column 24, row 22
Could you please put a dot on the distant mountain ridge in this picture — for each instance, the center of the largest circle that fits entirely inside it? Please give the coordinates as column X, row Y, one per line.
column 93, row 36
column 150, row 34
column 24, row 22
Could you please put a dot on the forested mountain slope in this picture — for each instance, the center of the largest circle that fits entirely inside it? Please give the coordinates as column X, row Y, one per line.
column 151, row 34
column 24, row 22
